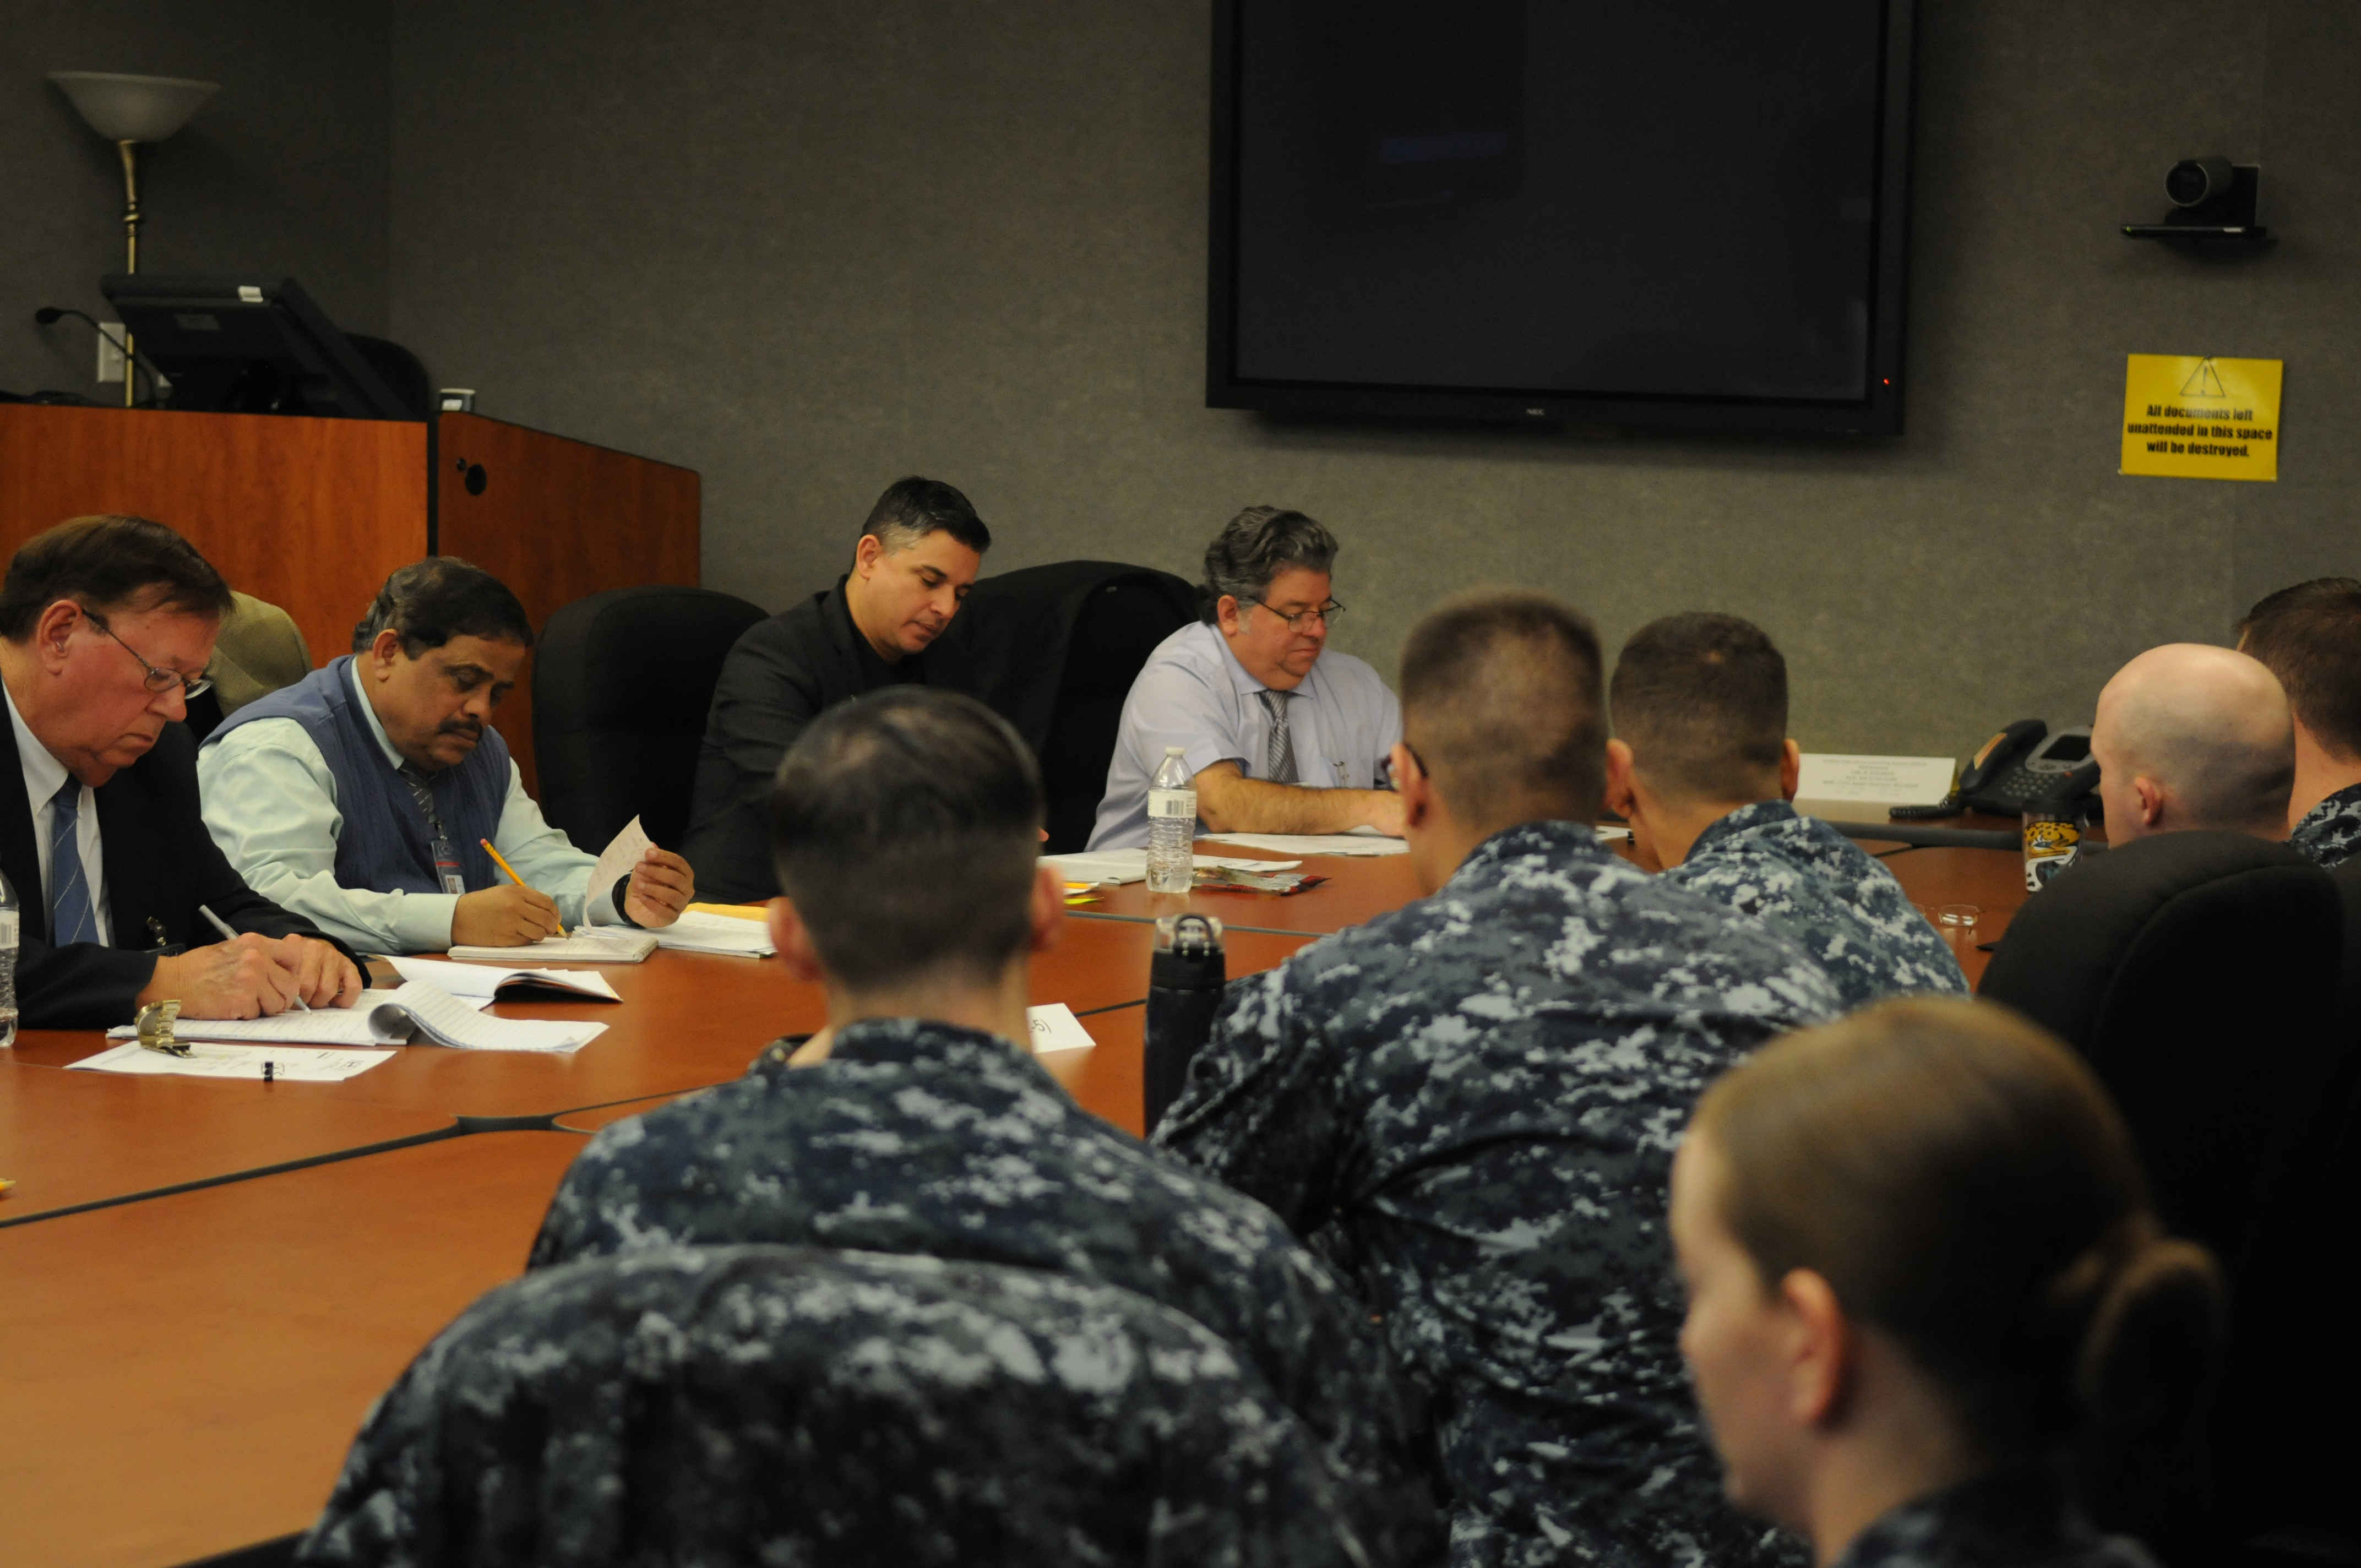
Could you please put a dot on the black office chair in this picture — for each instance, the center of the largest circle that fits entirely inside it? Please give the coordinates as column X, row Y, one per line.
column 770, row 1404
column 2198, row 973
column 621, row 682
column 1116, row 628
column 1054, row 649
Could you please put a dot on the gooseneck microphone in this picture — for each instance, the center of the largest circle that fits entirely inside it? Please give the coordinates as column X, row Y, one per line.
column 49, row 314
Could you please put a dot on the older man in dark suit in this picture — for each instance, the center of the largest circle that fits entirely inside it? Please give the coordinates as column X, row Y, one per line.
column 105, row 627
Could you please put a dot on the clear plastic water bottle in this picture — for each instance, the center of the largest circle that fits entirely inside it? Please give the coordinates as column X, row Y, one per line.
column 1171, row 826
column 9, row 926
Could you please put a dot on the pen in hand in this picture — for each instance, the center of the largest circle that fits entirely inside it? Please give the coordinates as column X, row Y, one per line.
column 223, row 925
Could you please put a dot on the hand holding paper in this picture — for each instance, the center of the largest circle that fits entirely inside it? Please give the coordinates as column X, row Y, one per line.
column 662, row 882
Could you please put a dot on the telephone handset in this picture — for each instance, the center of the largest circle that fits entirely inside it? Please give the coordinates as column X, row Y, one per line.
column 2022, row 764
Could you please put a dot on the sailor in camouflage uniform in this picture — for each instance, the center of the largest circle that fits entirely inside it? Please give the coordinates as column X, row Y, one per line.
column 786, row 1405
column 2016, row 1518
column 917, row 1137
column 1702, row 768
column 1481, row 1093
column 2330, row 832
column 915, row 1134
column 2310, row 637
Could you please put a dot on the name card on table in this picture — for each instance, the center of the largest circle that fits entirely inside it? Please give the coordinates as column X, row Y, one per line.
column 1054, row 1028
column 1888, row 780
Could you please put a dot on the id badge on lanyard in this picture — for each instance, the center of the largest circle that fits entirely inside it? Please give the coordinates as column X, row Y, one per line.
column 446, row 866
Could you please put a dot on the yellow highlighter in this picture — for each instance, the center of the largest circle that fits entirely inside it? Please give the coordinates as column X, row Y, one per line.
column 501, row 862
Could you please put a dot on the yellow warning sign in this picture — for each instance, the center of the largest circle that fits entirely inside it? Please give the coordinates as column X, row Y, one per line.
column 2194, row 417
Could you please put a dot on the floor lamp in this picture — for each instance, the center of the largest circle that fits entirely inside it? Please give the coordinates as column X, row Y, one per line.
column 127, row 111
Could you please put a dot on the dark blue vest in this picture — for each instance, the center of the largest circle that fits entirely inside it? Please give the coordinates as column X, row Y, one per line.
column 385, row 845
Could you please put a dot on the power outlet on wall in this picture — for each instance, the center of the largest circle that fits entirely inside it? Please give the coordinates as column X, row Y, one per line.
column 110, row 358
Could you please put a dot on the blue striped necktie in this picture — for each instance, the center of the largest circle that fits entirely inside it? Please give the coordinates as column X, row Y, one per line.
column 73, row 917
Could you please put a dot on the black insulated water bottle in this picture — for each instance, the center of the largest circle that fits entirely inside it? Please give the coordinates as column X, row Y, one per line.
column 1186, row 975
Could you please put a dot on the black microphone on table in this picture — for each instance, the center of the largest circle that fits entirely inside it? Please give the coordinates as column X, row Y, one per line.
column 1187, row 975
column 49, row 314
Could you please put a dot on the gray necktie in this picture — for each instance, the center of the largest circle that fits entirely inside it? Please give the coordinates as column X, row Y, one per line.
column 1279, row 752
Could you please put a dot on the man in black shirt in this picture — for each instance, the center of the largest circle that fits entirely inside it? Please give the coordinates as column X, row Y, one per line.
column 918, row 555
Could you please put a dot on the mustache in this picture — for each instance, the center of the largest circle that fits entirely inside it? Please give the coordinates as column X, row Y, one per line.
column 468, row 727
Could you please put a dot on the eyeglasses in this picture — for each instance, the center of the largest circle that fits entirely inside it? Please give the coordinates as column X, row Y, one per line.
column 1301, row 621
column 156, row 680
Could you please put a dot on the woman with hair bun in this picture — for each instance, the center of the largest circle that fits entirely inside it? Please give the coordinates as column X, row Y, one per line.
column 1930, row 1313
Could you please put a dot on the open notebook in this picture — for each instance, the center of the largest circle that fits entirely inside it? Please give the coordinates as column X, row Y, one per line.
column 416, row 1010
column 479, row 982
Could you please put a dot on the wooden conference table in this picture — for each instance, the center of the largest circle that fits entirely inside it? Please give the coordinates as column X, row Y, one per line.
column 206, row 1283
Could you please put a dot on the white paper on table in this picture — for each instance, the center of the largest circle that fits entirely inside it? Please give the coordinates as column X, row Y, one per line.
column 1355, row 843
column 291, row 1064
column 1887, row 781
column 616, row 860
column 698, row 932
column 480, row 981
column 1131, row 865
column 1054, row 1028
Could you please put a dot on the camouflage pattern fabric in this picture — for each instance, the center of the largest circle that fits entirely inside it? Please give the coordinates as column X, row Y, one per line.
column 1829, row 895
column 2014, row 1519
column 1476, row 1099
column 916, row 1137
column 2331, row 831
column 789, row 1406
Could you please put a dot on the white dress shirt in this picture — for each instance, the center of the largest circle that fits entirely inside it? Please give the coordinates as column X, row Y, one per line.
column 44, row 777
column 270, row 804
column 1193, row 693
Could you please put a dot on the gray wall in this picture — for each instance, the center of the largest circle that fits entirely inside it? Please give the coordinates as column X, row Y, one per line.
column 281, row 172
column 808, row 248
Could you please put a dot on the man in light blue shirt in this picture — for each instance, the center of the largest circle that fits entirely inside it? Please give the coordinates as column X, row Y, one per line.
column 1279, row 735
column 361, row 795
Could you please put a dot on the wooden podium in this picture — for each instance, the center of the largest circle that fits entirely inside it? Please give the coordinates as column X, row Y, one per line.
column 311, row 514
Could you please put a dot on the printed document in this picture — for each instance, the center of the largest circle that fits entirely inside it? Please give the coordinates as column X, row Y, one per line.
column 289, row 1064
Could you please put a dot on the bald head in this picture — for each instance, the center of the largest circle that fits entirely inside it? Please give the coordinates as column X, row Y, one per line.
column 2191, row 735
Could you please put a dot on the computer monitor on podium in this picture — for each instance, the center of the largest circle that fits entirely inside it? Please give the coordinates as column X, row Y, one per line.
column 242, row 346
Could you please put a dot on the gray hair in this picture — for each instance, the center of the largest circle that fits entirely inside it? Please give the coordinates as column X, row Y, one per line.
column 1255, row 546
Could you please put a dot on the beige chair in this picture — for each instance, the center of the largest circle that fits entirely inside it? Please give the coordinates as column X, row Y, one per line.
column 260, row 649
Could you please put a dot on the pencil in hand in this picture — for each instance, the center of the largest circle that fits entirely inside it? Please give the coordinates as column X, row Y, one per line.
column 500, row 862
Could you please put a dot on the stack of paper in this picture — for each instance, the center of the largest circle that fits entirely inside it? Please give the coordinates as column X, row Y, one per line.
column 508, row 985
column 696, row 932
column 1131, row 865
column 584, row 944
column 391, row 1019
column 1314, row 843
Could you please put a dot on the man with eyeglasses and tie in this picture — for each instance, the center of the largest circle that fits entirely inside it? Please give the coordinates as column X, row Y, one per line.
column 1281, row 735
column 106, row 624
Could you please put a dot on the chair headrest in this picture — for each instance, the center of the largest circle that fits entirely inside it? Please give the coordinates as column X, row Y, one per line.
column 2069, row 942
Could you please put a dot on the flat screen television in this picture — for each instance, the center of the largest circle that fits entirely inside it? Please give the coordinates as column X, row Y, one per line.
column 1561, row 211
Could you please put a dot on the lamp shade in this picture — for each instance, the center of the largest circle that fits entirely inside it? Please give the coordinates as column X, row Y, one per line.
column 133, row 108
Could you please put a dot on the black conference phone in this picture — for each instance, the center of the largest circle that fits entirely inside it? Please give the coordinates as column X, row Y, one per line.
column 2023, row 764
